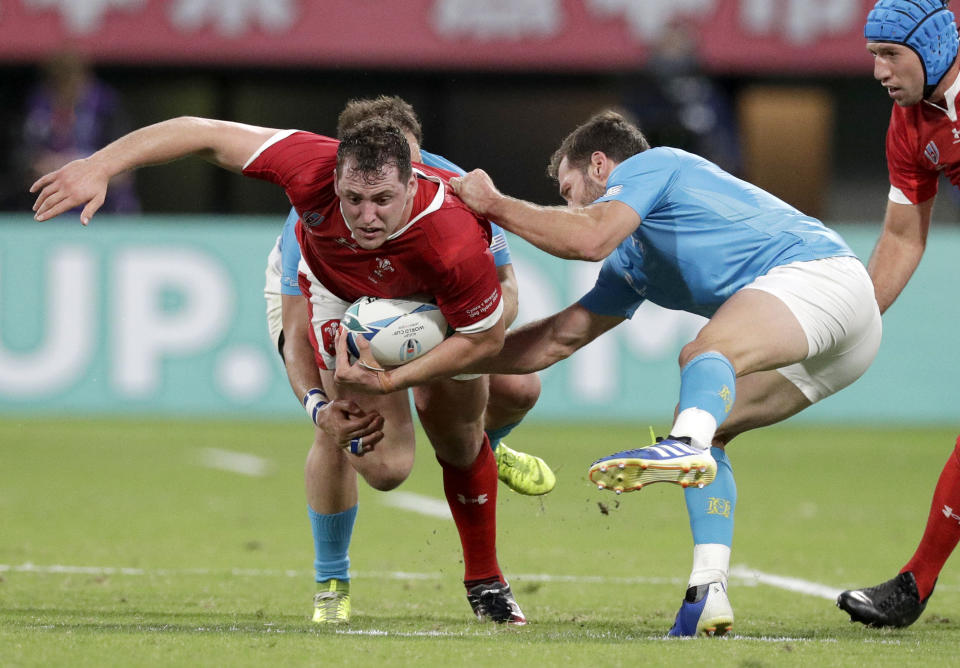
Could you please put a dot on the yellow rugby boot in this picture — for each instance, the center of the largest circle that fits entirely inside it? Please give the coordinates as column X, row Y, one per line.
column 331, row 604
column 523, row 473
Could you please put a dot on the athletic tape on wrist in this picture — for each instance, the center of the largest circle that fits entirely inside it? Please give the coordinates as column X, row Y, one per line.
column 385, row 383
column 313, row 401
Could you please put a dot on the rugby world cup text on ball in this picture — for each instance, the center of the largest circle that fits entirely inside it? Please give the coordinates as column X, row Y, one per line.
column 409, row 330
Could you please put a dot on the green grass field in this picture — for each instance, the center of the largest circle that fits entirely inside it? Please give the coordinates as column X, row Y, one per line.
column 121, row 545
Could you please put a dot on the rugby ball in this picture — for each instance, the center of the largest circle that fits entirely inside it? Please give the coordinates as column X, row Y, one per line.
column 399, row 330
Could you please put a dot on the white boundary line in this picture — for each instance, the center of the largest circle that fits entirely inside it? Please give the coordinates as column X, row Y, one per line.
column 755, row 577
column 740, row 573
column 418, row 503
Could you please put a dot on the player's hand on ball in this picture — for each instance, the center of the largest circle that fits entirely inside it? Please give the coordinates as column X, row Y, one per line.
column 363, row 376
column 350, row 426
column 78, row 183
column 477, row 191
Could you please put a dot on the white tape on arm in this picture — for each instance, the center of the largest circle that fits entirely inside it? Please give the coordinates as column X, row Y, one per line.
column 313, row 401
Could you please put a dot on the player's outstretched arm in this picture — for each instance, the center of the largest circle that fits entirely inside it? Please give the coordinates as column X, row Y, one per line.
column 586, row 233
column 899, row 249
column 538, row 345
column 84, row 182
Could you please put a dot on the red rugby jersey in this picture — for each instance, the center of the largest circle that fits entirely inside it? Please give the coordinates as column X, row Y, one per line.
column 444, row 252
column 922, row 141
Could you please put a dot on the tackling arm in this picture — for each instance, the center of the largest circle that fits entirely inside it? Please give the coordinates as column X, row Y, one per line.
column 84, row 182
column 899, row 249
column 298, row 357
column 585, row 233
column 543, row 343
column 511, row 293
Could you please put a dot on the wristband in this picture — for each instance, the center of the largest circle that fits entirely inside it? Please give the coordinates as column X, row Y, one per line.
column 313, row 401
column 385, row 383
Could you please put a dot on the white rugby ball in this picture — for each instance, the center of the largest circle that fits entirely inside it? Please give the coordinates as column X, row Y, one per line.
column 399, row 330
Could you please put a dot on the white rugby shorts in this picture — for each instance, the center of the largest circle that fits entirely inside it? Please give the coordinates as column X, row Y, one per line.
column 834, row 301
column 271, row 292
column 326, row 310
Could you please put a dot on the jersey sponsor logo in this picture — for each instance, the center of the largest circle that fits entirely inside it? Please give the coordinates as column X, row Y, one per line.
column 312, row 218
column 613, row 190
column 932, row 153
column 485, row 306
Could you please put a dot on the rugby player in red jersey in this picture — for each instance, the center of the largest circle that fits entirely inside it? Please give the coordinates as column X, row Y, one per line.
column 914, row 46
column 371, row 225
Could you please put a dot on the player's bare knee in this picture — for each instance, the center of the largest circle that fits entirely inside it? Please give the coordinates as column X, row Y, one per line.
column 689, row 351
column 518, row 394
column 386, row 478
column 528, row 392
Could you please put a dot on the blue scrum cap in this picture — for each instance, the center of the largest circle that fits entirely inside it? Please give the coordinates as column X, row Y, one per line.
column 925, row 26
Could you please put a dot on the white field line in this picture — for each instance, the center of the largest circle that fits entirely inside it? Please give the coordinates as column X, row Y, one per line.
column 740, row 574
column 235, row 462
column 751, row 576
column 62, row 569
column 579, row 635
column 418, row 503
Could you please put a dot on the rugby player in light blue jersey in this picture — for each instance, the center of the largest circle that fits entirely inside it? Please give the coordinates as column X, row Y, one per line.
column 331, row 484
column 792, row 313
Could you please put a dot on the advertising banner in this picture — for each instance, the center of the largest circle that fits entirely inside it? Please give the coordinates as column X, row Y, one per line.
column 738, row 36
column 165, row 316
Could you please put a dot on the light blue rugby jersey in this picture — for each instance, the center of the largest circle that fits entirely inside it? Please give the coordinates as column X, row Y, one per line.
column 290, row 248
column 705, row 234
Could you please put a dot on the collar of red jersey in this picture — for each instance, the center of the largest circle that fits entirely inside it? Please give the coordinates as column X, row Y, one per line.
column 430, row 208
column 950, row 97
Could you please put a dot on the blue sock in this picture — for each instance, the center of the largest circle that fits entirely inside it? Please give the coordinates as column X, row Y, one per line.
column 708, row 382
column 497, row 435
column 711, row 508
column 331, row 543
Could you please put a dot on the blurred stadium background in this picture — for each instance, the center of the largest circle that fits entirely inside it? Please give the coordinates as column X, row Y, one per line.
column 150, row 323
column 161, row 310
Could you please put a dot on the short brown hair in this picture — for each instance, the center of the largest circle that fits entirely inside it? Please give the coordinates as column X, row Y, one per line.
column 375, row 145
column 391, row 108
column 609, row 131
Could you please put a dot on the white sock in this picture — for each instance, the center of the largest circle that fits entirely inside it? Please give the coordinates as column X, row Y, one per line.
column 711, row 563
column 698, row 425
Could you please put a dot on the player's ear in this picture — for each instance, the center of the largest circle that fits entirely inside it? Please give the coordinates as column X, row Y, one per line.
column 601, row 166
column 336, row 182
column 598, row 163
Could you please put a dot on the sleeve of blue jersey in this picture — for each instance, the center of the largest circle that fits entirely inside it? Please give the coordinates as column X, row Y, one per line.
column 642, row 180
column 290, row 254
column 611, row 294
column 498, row 244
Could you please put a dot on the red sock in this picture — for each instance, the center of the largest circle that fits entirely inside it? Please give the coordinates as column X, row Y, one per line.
column 472, row 497
column 943, row 528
